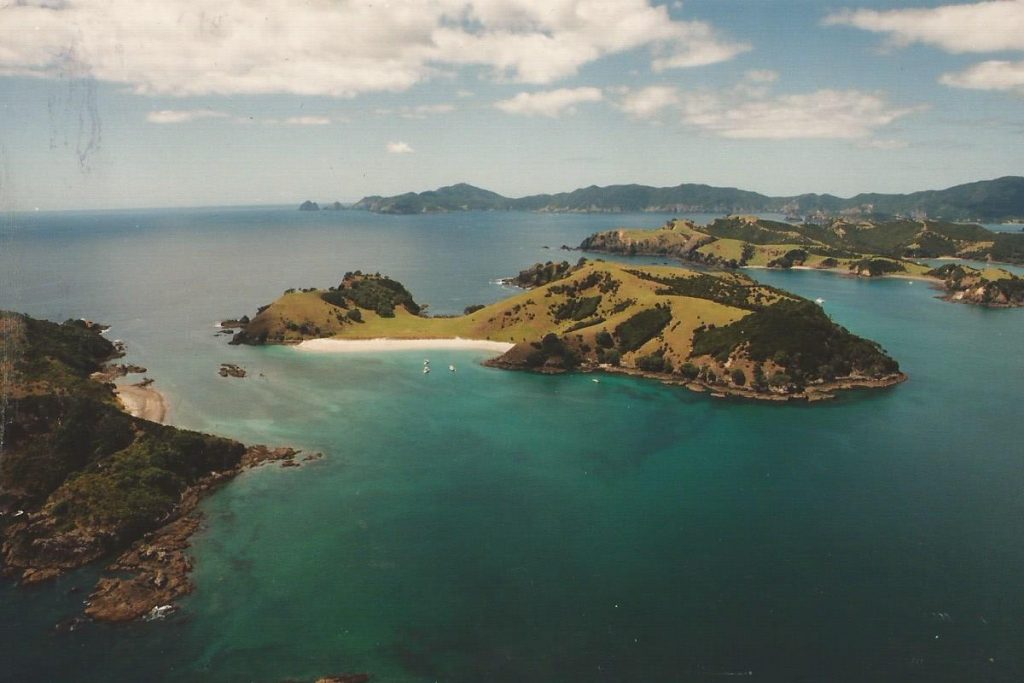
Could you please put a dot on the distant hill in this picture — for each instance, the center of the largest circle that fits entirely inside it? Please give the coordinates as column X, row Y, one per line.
column 988, row 200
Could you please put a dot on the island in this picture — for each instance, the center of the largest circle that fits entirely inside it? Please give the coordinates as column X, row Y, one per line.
column 865, row 248
column 720, row 332
column 996, row 200
column 82, row 480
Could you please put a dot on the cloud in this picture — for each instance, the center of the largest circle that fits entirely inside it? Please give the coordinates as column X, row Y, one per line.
column 193, row 47
column 551, row 103
column 992, row 75
column 647, row 103
column 824, row 114
column 883, row 144
column 183, row 115
column 975, row 27
column 307, row 120
column 399, row 148
column 421, row 111
column 750, row 112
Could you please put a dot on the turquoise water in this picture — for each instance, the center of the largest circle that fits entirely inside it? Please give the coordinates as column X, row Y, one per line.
column 495, row 526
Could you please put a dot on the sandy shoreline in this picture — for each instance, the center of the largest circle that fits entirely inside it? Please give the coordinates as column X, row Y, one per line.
column 145, row 402
column 386, row 344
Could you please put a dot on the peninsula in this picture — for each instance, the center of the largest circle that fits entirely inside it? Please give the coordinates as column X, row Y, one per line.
column 82, row 480
column 861, row 248
column 718, row 332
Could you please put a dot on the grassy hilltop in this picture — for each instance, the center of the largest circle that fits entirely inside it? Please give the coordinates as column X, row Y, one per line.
column 864, row 248
column 722, row 331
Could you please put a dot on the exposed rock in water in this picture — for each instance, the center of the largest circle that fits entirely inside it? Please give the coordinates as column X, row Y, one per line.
column 309, row 205
column 230, row 370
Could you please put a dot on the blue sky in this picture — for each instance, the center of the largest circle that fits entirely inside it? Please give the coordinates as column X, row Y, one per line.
column 183, row 103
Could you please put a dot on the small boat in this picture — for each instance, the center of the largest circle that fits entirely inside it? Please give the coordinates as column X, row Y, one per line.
column 451, row 368
column 426, row 361
column 19, row 513
column 159, row 612
column 596, row 380
column 426, row 369
column 819, row 301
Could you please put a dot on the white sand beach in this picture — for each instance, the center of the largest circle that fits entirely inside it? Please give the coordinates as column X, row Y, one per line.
column 145, row 402
column 385, row 344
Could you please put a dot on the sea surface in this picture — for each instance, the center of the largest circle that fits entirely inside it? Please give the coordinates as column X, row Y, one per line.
column 494, row 526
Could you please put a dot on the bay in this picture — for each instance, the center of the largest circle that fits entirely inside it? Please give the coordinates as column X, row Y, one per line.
column 495, row 526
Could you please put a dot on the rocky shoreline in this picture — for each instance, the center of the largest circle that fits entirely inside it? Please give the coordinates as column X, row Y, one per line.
column 821, row 391
column 145, row 580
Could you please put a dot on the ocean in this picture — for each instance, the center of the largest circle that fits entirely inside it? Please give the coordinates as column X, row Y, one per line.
column 493, row 526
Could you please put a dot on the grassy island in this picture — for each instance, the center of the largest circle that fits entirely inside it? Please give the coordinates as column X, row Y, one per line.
column 861, row 248
column 722, row 332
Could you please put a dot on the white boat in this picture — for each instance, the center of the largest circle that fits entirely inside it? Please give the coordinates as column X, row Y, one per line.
column 159, row 612
column 426, row 369
column 426, row 361
column 819, row 301
column 596, row 381
column 452, row 368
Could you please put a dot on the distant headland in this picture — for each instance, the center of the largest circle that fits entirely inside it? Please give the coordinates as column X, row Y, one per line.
column 718, row 332
column 998, row 200
column 863, row 248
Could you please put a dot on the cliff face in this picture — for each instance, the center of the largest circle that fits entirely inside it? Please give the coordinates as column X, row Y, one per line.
column 989, row 287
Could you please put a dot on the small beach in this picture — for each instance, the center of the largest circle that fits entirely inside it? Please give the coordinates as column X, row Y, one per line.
column 385, row 344
column 145, row 402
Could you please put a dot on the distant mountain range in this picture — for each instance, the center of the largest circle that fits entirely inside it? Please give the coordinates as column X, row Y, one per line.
column 1001, row 199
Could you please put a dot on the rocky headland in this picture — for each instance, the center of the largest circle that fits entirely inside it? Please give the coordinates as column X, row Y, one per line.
column 81, row 480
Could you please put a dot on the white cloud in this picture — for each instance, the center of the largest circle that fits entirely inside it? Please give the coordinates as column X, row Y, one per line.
column 824, row 114
column 197, row 47
column 992, row 75
column 307, row 120
column 552, row 103
column 421, row 111
column 975, row 27
column 183, row 115
column 747, row 111
column 884, row 144
column 647, row 103
column 399, row 148
column 761, row 76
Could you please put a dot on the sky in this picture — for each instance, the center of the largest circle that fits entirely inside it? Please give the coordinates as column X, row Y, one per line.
column 150, row 103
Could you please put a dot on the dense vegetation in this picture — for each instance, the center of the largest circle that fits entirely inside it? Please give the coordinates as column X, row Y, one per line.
column 540, row 274
column 642, row 327
column 70, row 450
column 375, row 292
column 797, row 335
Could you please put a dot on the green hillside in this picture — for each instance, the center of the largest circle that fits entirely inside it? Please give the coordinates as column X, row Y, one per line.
column 720, row 331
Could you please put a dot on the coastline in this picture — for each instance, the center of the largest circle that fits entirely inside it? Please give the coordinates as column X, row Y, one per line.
column 335, row 345
column 142, row 401
column 812, row 393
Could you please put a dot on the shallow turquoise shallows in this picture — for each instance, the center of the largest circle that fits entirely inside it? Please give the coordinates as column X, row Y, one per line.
column 492, row 526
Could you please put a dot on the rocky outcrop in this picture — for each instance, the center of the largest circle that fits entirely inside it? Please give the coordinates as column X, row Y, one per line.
column 231, row 370
column 309, row 205
column 154, row 571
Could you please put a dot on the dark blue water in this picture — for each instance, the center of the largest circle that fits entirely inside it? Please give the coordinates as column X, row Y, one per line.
column 493, row 526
